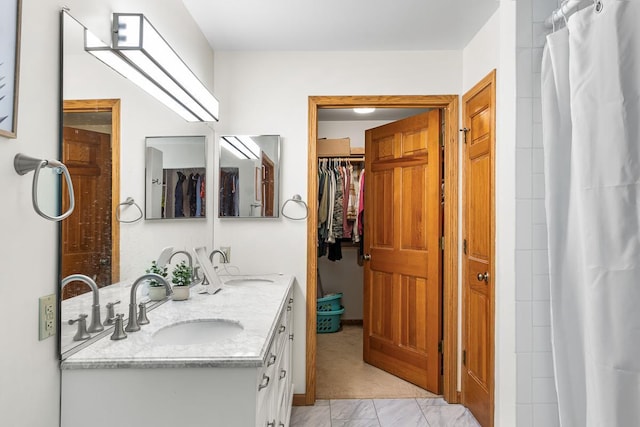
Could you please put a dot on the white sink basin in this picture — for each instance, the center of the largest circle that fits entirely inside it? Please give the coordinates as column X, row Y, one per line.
column 247, row 281
column 204, row 331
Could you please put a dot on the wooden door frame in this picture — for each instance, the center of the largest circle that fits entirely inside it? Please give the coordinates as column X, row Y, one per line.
column 449, row 104
column 112, row 106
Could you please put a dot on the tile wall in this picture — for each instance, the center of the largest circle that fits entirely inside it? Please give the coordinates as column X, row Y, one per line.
column 535, row 388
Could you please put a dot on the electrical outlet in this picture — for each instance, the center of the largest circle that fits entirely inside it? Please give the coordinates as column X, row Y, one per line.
column 227, row 252
column 47, row 310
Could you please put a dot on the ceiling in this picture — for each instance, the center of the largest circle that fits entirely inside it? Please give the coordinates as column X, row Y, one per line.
column 340, row 25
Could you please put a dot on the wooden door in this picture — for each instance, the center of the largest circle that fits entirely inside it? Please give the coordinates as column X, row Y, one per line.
column 402, row 293
column 86, row 233
column 268, row 185
column 478, row 250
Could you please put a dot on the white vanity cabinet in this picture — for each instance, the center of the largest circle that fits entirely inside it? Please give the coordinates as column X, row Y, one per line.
column 195, row 391
column 275, row 392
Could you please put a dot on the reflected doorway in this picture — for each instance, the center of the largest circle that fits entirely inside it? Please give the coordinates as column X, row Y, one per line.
column 90, row 237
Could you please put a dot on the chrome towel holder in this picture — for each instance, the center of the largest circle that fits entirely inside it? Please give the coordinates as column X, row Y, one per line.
column 24, row 164
column 296, row 199
column 128, row 202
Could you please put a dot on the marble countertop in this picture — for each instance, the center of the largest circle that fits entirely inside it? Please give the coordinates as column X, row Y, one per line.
column 255, row 306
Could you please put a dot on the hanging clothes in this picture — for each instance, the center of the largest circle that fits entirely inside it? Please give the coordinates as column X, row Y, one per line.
column 229, row 200
column 179, row 195
column 338, row 186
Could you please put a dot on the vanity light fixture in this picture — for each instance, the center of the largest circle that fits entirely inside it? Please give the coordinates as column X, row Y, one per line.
column 243, row 147
column 367, row 110
column 140, row 54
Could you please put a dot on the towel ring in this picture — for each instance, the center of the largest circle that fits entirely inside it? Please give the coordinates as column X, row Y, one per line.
column 24, row 164
column 297, row 199
column 128, row 202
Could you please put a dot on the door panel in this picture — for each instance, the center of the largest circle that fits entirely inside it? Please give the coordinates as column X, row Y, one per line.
column 403, row 296
column 478, row 266
column 86, row 233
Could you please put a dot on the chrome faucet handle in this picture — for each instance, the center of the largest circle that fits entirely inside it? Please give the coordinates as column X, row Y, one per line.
column 111, row 313
column 132, row 325
column 142, row 314
column 81, row 333
column 118, row 331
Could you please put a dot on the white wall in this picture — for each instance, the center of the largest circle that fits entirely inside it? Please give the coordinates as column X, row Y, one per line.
column 267, row 93
column 29, row 375
column 354, row 130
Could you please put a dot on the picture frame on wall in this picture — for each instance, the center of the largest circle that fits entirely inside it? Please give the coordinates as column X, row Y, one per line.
column 9, row 65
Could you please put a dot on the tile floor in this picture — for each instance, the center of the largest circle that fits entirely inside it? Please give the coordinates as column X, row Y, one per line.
column 420, row 412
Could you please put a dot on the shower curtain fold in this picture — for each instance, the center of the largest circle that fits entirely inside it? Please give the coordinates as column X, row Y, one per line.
column 591, row 138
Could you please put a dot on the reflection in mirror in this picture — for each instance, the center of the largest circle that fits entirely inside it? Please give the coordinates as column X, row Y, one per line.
column 106, row 121
column 249, row 177
column 175, row 177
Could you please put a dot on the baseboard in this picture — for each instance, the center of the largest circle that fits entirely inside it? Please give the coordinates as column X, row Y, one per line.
column 351, row 322
column 299, row 400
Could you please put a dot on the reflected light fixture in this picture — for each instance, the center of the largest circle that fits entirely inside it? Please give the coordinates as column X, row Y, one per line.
column 366, row 110
column 242, row 147
column 140, row 54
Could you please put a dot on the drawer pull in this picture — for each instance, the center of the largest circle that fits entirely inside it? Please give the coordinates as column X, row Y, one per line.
column 283, row 373
column 288, row 308
column 265, row 382
column 290, row 300
column 271, row 423
column 280, row 424
column 282, row 329
column 272, row 359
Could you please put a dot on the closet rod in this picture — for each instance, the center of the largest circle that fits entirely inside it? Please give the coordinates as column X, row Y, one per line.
column 343, row 158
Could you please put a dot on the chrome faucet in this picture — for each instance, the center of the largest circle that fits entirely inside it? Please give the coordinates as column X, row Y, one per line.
column 222, row 255
column 187, row 254
column 96, row 324
column 133, row 324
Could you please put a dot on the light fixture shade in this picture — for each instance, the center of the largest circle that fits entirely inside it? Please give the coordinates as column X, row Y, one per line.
column 141, row 55
column 242, row 147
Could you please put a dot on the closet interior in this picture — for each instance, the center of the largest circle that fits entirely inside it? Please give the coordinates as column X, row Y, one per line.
column 340, row 225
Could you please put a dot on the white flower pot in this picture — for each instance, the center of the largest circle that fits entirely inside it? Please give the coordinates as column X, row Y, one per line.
column 157, row 293
column 180, row 293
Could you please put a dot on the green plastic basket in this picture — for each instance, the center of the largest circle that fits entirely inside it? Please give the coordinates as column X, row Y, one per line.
column 329, row 321
column 329, row 303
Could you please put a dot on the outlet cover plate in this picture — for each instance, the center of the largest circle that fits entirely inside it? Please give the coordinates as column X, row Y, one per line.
column 47, row 314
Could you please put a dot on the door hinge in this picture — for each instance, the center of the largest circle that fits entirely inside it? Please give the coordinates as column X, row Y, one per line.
column 441, row 347
column 465, row 131
column 442, row 133
column 442, row 243
column 464, row 246
column 464, row 357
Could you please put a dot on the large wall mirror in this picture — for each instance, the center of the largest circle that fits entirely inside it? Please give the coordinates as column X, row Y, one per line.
column 175, row 177
column 106, row 123
column 249, row 176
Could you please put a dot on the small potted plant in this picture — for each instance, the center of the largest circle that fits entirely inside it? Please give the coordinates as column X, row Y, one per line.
column 157, row 290
column 181, row 279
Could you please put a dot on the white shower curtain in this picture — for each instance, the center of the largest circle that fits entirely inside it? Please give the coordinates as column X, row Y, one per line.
column 591, row 136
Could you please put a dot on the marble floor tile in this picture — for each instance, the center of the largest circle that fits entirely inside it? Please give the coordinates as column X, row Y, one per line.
column 399, row 412
column 448, row 416
column 355, row 423
column 436, row 401
column 311, row 416
column 353, row 409
column 429, row 412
